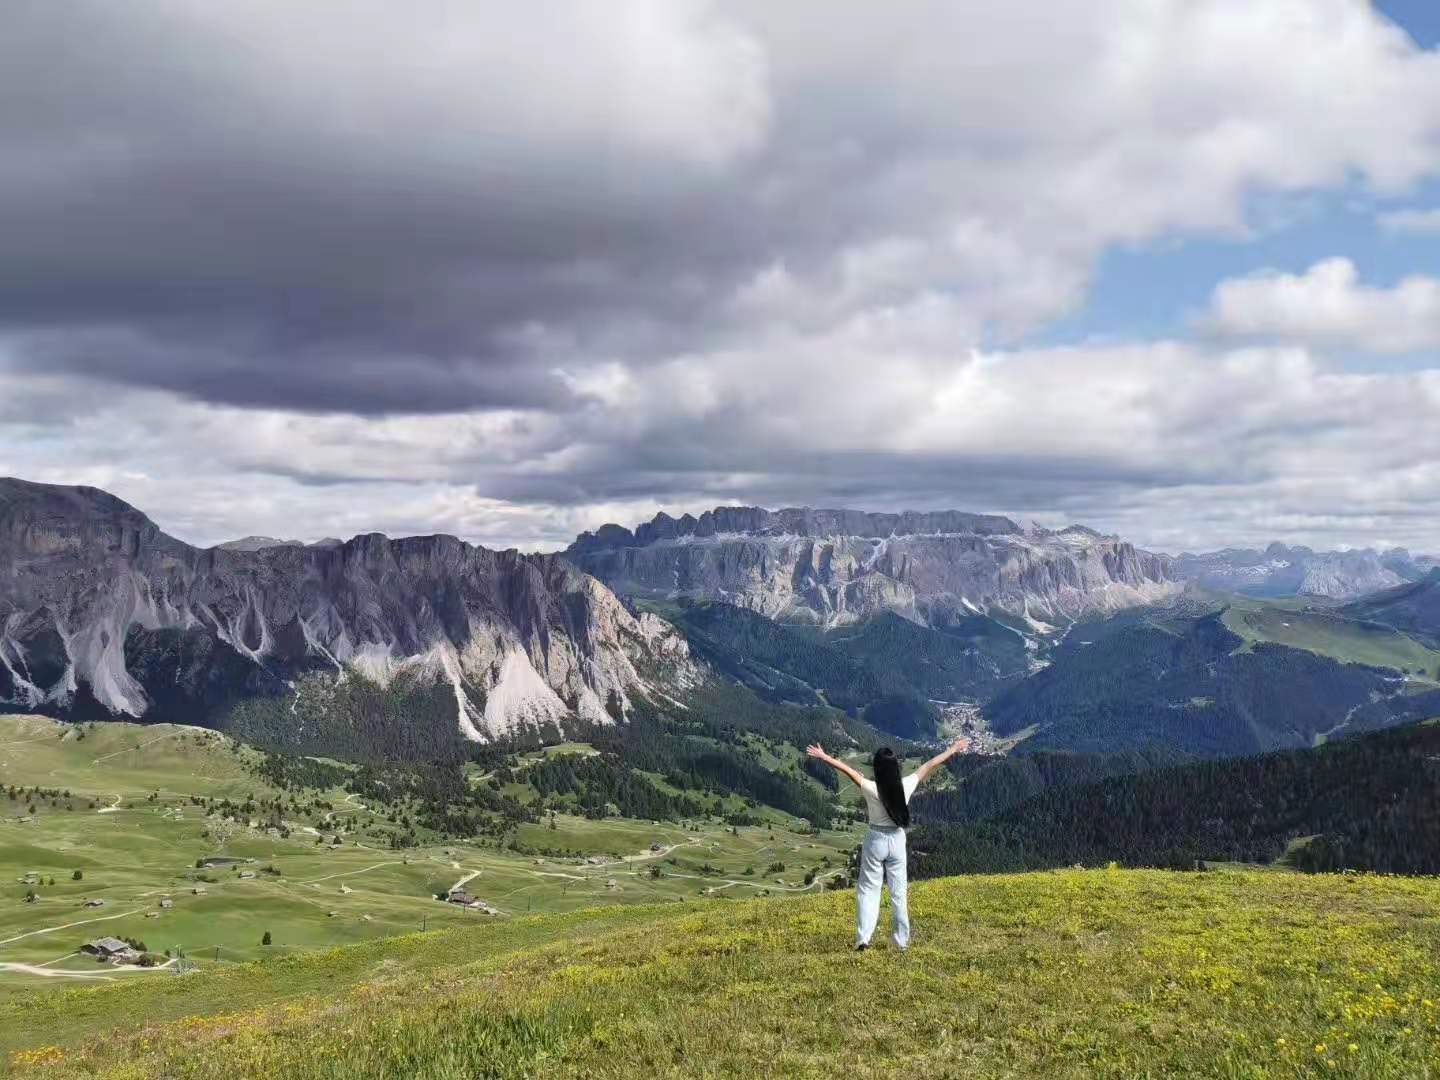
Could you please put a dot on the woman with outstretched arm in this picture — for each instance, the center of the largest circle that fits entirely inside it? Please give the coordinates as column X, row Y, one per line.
column 882, row 854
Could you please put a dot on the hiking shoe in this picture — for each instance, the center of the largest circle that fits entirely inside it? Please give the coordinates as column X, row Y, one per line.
column 862, row 946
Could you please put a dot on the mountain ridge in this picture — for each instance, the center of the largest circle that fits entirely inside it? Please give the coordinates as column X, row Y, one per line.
column 1281, row 570
column 92, row 587
column 836, row 566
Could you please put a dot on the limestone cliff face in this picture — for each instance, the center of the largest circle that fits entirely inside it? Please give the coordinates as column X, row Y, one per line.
column 839, row 566
column 102, row 613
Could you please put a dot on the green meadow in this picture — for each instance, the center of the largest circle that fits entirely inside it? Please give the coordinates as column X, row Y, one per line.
column 130, row 829
column 1072, row 974
column 1346, row 640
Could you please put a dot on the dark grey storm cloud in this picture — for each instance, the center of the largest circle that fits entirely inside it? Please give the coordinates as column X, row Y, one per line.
column 366, row 206
column 380, row 207
column 513, row 269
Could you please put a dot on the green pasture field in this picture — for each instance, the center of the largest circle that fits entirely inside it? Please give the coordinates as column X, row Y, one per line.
column 133, row 851
column 1071, row 975
column 1346, row 640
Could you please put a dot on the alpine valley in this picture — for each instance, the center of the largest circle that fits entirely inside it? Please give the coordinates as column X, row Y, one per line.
column 270, row 748
column 911, row 624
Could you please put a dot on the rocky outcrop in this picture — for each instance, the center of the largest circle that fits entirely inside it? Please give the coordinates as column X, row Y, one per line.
column 101, row 613
column 838, row 566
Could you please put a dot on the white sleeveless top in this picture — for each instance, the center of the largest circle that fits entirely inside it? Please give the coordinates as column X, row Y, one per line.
column 875, row 809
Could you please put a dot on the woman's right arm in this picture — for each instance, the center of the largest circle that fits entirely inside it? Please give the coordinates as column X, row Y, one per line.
column 817, row 751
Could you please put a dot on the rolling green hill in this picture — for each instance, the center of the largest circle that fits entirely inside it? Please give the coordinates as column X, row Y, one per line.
column 1345, row 636
column 1075, row 974
column 122, row 815
column 124, row 760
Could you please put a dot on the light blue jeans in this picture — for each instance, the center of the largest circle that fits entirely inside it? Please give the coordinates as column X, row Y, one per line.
column 882, row 855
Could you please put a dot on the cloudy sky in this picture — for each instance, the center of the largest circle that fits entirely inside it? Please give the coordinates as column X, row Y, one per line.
column 1166, row 267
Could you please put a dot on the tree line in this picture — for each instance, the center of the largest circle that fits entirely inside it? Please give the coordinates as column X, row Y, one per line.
column 1368, row 803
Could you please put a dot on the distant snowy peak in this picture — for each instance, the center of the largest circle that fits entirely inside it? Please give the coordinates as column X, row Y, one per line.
column 834, row 567
column 101, row 614
column 1280, row 570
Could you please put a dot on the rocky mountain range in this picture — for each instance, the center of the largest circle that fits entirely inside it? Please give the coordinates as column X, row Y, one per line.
column 373, row 644
column 833, row 567
column 1279, row 571
column 103, row 614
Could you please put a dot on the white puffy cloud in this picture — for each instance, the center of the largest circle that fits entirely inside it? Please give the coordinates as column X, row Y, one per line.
column 1329, row 307
column 1175, row 445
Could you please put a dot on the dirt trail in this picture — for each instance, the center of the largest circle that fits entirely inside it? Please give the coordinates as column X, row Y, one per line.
column 132, row 749
column 355, row 808
column 33, row 969
column 647, row 855
column 346, row 873
column 51, row 973
column 468, row 877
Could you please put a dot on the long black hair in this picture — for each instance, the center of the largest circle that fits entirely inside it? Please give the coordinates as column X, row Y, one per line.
column 892, row 791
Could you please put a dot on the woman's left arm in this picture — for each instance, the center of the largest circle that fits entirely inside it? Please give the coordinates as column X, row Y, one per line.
column 939, row 759
column 817, row 751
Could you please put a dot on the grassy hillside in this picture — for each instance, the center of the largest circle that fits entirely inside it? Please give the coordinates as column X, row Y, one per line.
column 1349, row 640
column 1072, row 974
column 124, row 816
column 125, row 760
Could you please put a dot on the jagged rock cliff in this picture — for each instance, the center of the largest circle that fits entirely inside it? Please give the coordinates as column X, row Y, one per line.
column 839, row 566
column 101, row 613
